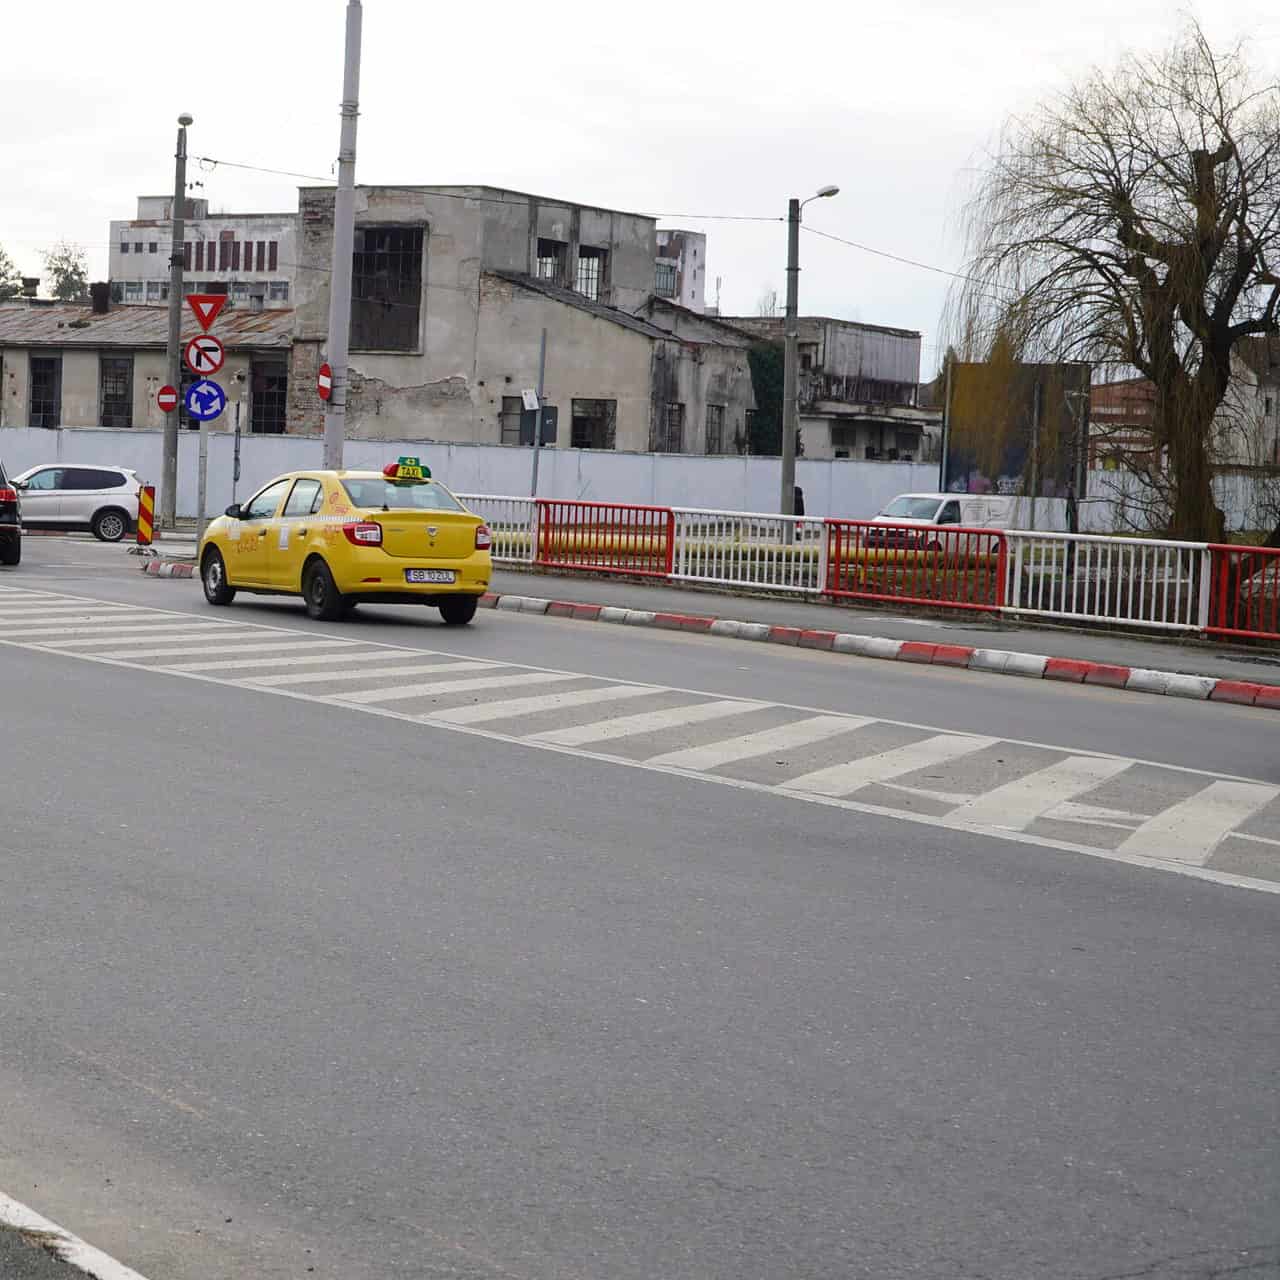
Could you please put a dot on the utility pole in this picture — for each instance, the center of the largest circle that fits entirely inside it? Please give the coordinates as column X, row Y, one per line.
column 537, row 421
column 344, row 216
column 173, row 349
column 791, row 352
column 790, row 362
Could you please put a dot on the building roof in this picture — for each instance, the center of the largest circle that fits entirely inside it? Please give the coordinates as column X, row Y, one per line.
column 77, row 325
column 598, row 309
column 1262, row 355
column 740, row 335
column 467, row 190
column 776, row 322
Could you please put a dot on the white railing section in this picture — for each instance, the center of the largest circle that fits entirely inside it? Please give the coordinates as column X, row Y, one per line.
column 1088, row 578
column 514, row 522
column 741, row 549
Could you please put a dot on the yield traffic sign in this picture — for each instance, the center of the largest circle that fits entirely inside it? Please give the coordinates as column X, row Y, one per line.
column 206, row 306
column 204, row 354
column 167, row 399
column 205, row 400
column 324, row 382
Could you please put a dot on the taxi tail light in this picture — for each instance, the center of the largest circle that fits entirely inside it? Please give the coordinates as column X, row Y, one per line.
column 484, row 537
column 8, row 495
column 363, row 533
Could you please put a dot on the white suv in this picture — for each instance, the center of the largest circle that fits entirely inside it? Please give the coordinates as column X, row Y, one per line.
column 103, row 500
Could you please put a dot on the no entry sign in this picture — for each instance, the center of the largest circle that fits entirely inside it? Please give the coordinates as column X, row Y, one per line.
column 167, row 399
column 204, row 355
column 324, row 382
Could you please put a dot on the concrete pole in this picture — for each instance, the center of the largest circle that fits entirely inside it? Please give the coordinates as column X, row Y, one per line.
column 173, row 351
column 790, row 363
column 537, row 421
column 344, row 217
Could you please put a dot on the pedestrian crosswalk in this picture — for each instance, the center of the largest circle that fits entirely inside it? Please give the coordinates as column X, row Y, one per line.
column 1136, row 811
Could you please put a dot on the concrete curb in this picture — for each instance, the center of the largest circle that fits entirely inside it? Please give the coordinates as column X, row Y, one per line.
column 1004, row 662
column 169, row 568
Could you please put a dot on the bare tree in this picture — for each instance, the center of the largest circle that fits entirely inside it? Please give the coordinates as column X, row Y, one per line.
column 1134, row 221
column 10, row 280
column 68, row 269
column 767, row 305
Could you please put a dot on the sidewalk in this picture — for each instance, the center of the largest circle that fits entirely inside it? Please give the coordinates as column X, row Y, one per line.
column 1184, row 655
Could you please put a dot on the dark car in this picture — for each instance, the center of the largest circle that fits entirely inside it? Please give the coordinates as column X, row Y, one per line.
column 10, row 522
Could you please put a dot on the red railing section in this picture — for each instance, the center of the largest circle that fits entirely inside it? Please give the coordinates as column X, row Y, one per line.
column 946, row 566
column 606, row 537
column 1244, row 590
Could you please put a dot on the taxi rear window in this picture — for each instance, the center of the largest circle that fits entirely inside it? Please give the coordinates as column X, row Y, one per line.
column 427, row 496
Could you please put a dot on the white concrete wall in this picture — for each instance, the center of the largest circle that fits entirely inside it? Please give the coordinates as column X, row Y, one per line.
column 852, row 489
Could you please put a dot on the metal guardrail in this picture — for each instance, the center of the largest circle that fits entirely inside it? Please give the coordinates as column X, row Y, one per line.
column 1152, row 584
column 1159, row 585
column 949, row 566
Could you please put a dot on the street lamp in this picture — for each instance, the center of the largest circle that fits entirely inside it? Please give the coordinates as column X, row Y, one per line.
column 173, row 359
column 791, row 355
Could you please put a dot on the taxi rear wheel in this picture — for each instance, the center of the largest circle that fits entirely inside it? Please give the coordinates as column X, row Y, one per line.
column 213, row 577
column 323, row 599
column 457, row 611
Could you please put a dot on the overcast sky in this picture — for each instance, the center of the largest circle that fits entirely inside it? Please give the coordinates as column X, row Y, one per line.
column 724, row 108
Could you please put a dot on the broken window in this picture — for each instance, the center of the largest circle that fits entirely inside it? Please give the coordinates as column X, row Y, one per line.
column 664, row 283
column 669, row 435
column 511, row 410
column 157, row 291
column 386, row 288
column 715, row 428
column 278, row 291
column 269, row 395
column 594, row 424
column 592, row 264
column 46, row 391
column 115, row 383
column 551, row 259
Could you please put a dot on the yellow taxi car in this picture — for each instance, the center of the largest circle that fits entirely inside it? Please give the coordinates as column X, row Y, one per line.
column 340, row 538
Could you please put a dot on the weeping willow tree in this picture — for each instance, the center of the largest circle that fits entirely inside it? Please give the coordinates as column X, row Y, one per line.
column 1134, row 222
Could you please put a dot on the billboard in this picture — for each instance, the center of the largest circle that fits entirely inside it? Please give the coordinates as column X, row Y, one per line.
column 1016, row 428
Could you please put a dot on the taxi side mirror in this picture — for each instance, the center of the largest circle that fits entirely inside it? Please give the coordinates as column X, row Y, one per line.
column 233, row 511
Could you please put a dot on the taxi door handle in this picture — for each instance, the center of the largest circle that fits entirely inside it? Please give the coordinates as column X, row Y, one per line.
column 301, row 529
column 262, row 533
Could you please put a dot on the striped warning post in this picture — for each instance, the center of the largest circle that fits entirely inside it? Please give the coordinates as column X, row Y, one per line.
column 146, row 514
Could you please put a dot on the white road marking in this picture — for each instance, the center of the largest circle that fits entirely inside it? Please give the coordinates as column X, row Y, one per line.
column 375, row 673
column 432, row 688
column 544, row 702
column 1257, row 793
column 291, row 659
column 784, row 737
column 645, row 722
column 70, row 1248
column 247, row 652
column 169, row 635
column 1017, row 804
column 1192, row 829
column 37, row 610
column 852, row 775
column 110, row 632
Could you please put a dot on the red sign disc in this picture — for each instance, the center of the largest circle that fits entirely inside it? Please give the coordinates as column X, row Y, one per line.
column 324, row 382
column 167, row 399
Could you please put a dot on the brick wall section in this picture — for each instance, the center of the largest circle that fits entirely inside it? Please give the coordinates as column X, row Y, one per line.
column 304, row 414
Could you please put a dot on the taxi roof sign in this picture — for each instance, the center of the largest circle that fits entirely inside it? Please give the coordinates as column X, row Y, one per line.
column 406, row 470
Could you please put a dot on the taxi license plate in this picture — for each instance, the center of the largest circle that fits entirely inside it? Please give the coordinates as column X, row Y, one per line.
column 429, row 575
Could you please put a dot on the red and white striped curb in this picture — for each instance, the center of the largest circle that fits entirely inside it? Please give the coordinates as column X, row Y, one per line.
column 169, row 569
column 993, row 661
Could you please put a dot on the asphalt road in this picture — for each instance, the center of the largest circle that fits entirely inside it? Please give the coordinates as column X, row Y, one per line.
column 287, row 986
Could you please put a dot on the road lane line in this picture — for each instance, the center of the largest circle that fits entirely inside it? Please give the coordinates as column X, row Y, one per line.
column 431, row 688
column 69, row 1248
column 512, row 707
column 377, row 673
column 108, row 632
column 46, row 609
column 646, row 722
column 784, row 737
column 852, row 775
column 1192, row 829
column 1016, row 805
